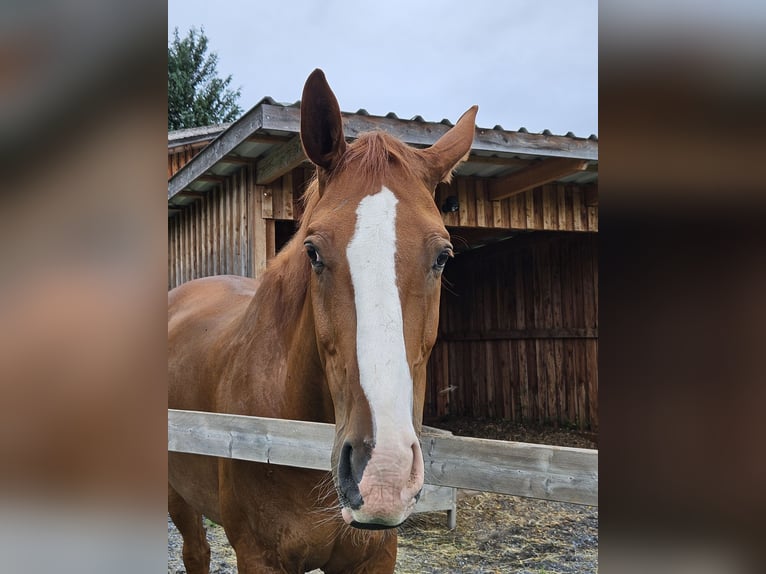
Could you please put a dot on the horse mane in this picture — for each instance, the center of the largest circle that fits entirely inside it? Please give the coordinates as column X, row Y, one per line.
column 371, row 157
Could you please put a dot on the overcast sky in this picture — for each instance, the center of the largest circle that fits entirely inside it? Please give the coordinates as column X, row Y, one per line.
column 525, row 63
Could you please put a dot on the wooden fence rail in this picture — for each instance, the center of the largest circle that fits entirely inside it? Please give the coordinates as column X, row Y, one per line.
column 520, row 469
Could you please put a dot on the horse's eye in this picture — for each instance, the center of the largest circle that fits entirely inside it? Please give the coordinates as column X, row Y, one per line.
column 441, row 260
column 313, row 254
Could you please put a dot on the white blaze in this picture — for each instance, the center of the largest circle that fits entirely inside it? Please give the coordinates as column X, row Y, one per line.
column 383, row 370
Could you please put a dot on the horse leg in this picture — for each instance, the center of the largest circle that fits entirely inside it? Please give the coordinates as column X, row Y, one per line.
column 196, row 550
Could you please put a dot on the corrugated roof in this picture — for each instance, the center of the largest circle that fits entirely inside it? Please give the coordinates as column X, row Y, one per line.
column 270, row 126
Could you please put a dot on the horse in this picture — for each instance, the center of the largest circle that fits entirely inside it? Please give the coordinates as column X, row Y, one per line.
column 338, row 329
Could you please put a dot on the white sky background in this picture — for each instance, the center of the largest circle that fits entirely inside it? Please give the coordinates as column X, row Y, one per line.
column 525, row 63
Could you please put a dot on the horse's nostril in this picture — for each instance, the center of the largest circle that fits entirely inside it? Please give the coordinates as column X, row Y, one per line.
column 349, row 486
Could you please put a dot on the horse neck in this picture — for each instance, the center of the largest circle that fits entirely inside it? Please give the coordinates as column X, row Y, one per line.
column 281, row 340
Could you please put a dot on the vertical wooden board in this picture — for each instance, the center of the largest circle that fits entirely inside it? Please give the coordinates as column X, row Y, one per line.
column 558, row 380
column 214, row 221
column 519, row 319
column 449, row 351
column 207, row 244
column 517, row 210
column 490, row 273
column 591, row 354
column 189, row 248
column 288, row 186
column 251, row 214
column 223, row 224
column 593, row 252
column 462, row 195
column 482, row 203
column 236, row 222
column 497, row 214
column 529, row 209
column 545, row 359
column 177, row 233
column 588, row 280
column 541, row 392
column 537, row 290
column 202, row 237
column 532, row 379
column 488, row 366
column 585, row 382
column 556, row 261
column 569, row 381
column 447, row 395
column 544, row 267
column 561, row 207
column 438, row 383
column 458, row 396
column 267, row 199
column 593, row 218
column 578, row 295
column 243, row 224
column 170, row 254
column 259, row 232
column 277, row 202
column 220, row 229
column 507, row 302
column 537, row 193
column 466, row 380
column 577, row 209
column 230, row 225
column 193, row 231
column 564, row 267
column 199, row 235
column 182, row 245
column 550, row 207
column 475, row 377
column 505, row 378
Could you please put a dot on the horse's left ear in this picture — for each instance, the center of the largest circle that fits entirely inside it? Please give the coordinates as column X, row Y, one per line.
column 321, row 123
column 451, row 149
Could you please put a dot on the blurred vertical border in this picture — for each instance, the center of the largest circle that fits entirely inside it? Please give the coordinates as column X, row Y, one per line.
column 682, row 89
column 82, row 286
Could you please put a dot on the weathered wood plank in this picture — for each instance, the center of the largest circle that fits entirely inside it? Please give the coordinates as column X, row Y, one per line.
column 534, row 176
column 519, row 469
column 280, row 160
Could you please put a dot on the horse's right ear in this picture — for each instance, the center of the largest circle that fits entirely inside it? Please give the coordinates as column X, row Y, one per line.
column 321, row 123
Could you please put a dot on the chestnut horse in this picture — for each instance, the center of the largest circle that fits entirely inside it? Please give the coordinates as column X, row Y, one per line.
column 338, row 330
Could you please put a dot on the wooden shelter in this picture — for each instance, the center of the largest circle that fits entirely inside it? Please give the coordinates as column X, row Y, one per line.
column 518, row 335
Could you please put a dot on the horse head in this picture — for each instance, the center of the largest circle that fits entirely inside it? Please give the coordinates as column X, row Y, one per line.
column 376, row 245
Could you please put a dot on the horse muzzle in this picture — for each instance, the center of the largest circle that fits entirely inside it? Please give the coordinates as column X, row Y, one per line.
column 379, row 487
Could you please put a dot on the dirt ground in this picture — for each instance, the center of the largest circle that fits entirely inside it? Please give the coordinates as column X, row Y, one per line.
column 494, row 533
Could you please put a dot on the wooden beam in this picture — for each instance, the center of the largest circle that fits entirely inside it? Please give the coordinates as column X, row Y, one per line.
column 211, row 177
column 236, row 159
column 538, row 471
column 279, row 161
column 534, row 176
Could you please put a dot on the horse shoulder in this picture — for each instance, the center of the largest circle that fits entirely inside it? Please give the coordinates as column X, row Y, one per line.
column 202, row 316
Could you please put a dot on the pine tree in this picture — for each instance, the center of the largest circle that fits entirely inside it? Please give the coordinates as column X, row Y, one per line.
column 196, row 95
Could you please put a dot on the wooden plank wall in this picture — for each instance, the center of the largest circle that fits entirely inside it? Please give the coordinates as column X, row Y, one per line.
column 179, row 156
column 213, row 236
column 518, row 332
column 552, row 207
